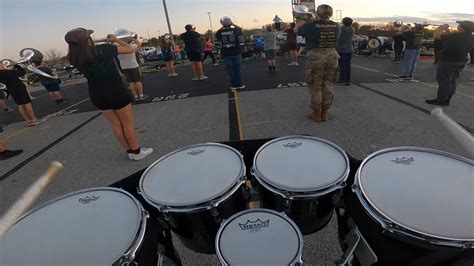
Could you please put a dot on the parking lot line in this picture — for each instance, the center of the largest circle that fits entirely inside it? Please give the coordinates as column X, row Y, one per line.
column 365, row 68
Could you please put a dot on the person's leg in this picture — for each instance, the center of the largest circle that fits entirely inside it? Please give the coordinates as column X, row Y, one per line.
column 169, row 66
column 444, row 82
column 125, row 116
column 237, row 64
column 205, row 56
column 117, row 128
column 139, row 88
column 330, row 71
column 194, row 67
column 29, row 111
column 348, row 67
column 2, row 147
column 414, row 63
column 342, row 69
column 408, row 61
column 22, row 110
column 131, row 85
column 314, row 78
column 3, row 105
column 229, row 66
column 454, row 80
column 213, row 58
column 294, row 56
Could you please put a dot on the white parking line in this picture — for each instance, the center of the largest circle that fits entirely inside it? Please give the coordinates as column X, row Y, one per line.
column 368, row 69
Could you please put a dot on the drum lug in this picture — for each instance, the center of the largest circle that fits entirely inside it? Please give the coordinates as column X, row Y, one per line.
column 287, row 206
column 166, row 216
column 215, row 214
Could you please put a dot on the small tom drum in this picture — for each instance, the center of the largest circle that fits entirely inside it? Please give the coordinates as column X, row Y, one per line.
column 259, row 237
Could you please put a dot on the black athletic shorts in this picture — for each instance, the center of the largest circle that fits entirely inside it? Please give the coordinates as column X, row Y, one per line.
column 115, row 101
column 259, row 49
column 20, row 95
column 50, row 87
column 292, row 46
column 194, row 56
column 133, row 74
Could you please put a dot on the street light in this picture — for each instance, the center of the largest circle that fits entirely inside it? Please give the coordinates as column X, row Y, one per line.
column 210, row 24
column 168, row 21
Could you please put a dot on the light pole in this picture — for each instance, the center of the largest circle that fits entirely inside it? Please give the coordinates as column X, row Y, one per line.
column 168, row 21
column 210, row 24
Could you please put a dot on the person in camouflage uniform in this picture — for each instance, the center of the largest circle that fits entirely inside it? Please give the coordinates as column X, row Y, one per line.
column 321, row 36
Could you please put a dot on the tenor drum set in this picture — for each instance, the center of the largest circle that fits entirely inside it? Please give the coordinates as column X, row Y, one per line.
column 399, row 206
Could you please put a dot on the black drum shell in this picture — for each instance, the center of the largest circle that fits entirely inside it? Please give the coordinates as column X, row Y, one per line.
column 391, row 248
column 310, row 214
column 197, row 230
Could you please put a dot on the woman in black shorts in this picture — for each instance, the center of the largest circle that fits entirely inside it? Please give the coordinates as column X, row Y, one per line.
column 107, row 90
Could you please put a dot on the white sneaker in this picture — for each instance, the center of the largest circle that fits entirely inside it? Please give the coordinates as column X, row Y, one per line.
column 195, row 78
column 296, row 64
column 203, row 77
column 172, row 74
column 241, row 87
column 36, row 122
column 144, row 152
column 142, row 97
column 291, row 64
column 216, row 64
column 233, row 88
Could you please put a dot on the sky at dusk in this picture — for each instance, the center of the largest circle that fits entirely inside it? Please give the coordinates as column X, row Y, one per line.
column 42, row 24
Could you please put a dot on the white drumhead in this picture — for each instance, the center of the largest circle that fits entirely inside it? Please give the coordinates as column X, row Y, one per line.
column 89, row 227
column 259, row 237
column 301, row 164
column 423, row 190
column 192, row 175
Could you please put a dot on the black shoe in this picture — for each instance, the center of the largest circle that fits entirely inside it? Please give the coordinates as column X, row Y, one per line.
column 403, row 77
column 347, row 84
column 436, row 102
column 9, row 154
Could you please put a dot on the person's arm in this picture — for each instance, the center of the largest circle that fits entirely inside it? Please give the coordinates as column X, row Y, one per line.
column 123, row 48
column 236, row 26
column 338, row 32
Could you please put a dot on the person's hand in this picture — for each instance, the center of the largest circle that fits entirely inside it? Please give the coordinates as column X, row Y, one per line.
column 111, row 38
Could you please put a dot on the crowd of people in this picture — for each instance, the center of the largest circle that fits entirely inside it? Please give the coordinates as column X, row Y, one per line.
column 328, row 45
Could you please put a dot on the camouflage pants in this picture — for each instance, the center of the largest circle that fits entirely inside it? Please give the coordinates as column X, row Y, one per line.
column 321, row 70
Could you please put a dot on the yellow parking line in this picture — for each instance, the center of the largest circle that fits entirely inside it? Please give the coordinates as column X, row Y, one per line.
column 237, row 110
column 15, row 134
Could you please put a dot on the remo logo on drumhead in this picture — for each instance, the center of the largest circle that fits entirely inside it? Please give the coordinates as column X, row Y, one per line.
column 254, row 226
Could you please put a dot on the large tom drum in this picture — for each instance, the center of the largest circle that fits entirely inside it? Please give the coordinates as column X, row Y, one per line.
column 195, row 188
column 301, row 176
column 414, row 206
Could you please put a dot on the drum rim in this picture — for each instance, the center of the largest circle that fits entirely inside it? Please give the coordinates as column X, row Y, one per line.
column 394, row 226
column 130, row 253
column 202, row 205
column 301, row 193
column 299, row 254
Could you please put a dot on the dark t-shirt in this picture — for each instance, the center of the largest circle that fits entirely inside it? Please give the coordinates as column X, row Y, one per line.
column 45, row 80
column 290, row 36
column 230, row 39
column 167, row 51
column 398, row 40
column 103, row 76
column 413, row 39
column 319, row 34
column 456, row 47
column 10, row 78
column 192, row 41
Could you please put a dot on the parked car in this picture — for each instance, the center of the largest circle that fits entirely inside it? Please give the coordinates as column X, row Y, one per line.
column 145, row 51
column 154, row 56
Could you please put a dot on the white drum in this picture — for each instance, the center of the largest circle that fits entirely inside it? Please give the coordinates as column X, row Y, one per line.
column 301, row 175
column 259, row 237
column 196, row 187
column 97, row 226
column 416, row 202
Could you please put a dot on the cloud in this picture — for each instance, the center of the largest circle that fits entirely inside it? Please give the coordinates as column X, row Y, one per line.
column 431, row 18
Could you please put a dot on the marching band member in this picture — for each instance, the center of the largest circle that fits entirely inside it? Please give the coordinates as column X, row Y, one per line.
column 17, row 89
column 322, row 58
column 106, row 88
column 131, row 70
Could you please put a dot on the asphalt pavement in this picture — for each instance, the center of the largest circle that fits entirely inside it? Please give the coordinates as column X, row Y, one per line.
column 376, row 112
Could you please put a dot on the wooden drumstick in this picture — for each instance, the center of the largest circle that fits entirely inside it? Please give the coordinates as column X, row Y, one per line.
column 459, row 133
column 22, row 204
